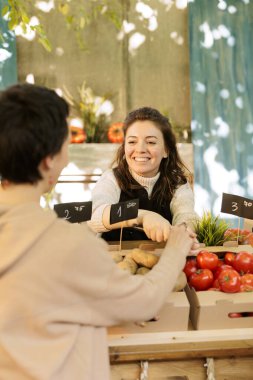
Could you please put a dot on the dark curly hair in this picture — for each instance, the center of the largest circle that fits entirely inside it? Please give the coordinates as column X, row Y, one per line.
column 33, row 125
column 173, row 172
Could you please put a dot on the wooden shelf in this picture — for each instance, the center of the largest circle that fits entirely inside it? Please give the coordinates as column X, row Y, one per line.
column 181, row 345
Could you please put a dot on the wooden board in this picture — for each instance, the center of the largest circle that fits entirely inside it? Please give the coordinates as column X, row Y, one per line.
column 184, row 355
column 181, row 344
column 127, row 246
column 229, row 368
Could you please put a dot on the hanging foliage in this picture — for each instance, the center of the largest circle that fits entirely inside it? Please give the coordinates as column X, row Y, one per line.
column 77, row 15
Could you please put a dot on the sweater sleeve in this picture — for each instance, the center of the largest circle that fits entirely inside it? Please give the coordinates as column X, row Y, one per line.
column 93, row 290
column 134, row 297
column 182, row 206
column 106, row 192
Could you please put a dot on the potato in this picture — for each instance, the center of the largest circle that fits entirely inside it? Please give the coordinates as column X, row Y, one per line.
column 117, row 257
column 180, row 283
column 144, row 258
column 129, row 265
column 142, row 270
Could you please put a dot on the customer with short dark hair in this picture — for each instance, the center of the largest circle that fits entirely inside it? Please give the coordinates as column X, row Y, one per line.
column 59, row 288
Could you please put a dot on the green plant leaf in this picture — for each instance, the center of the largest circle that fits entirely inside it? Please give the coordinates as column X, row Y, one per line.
column 45, row 43
column 210, row 230
column 5, row 10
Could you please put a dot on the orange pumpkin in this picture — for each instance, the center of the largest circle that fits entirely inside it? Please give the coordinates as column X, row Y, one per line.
column 115, row 133
column 78, row 135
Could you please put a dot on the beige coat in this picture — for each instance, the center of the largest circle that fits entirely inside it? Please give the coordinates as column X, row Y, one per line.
column 59, row 289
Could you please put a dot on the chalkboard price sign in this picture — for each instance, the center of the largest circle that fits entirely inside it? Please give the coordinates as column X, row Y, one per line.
column 124, row 211
column 74, row 212
column 236, row 205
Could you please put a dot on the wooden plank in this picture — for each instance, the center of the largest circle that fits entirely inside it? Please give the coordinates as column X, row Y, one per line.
column 143, row 244
column 234, row 368
column 181, row 337
column 175, row 370
column 157, row 247
column 183, row 369
column 181, row 351
column 230, row 368
column 227, row 248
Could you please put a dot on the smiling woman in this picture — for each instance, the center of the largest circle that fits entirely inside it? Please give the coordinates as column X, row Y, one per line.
column 144, row 148
column 148, row 167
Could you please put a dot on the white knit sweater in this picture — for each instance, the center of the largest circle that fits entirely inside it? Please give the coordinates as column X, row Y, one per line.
column 107, row 192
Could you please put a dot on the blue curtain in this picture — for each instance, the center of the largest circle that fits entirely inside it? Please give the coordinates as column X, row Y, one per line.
column 221, row 67
column 8, row 57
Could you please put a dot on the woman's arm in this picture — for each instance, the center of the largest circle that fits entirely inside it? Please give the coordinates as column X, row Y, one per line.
column 106, row 193
column 108, row 295
column 182, row 207
column 154, row 225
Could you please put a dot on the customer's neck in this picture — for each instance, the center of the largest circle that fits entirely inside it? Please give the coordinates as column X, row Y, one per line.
column 11, row 193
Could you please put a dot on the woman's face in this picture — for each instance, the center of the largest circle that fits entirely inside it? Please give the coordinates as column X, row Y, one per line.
column 144, row 148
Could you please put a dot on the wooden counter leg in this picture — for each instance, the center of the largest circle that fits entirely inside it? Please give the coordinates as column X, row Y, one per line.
column 210, row 369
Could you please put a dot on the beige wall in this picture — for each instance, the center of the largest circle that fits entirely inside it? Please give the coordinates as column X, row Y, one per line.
column 156, row 75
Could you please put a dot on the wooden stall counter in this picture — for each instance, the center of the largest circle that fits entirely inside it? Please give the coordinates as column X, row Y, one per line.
column 191, row 355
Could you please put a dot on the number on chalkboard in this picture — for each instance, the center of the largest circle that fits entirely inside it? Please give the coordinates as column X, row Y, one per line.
column 236, row 205
column 124, row 211
column 74, row 212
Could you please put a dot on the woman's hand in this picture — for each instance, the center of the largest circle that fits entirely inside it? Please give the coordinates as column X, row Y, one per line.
column 155, row 226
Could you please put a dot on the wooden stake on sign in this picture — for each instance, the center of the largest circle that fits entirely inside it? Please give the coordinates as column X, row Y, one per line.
column 122, row 211
column 120, row 239
column 238, row 230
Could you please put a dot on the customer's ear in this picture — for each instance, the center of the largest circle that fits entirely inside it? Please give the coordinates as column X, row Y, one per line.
column 48, row 163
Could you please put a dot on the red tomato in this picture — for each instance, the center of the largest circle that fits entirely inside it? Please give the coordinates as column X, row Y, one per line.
column 207, row 260
column 249, row 239
column 220, row 263
column 230, row 281
column 236, row 234
column 232, row 233
column 220, row 269
column 216, row 284
column 229, row 258
column 190, row 267
column 246, row 288
column 235, row 315
column 245, row 232
column 247, row 279
column 243, row 262
column 202, row 279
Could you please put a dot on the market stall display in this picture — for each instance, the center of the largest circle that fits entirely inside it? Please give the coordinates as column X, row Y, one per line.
column 213, row 344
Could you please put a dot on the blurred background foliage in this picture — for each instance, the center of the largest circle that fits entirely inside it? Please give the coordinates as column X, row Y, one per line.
column 77, row 15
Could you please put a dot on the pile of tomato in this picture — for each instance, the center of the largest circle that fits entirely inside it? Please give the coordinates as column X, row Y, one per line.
column 243, row 236
column 231, row 274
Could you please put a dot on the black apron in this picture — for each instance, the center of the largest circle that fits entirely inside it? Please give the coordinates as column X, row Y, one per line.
column 130, row 233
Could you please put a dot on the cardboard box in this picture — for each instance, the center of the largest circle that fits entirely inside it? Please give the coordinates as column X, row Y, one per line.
column 209, row 310
column 174, row 316
column 157, row 248
column 220, row 250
